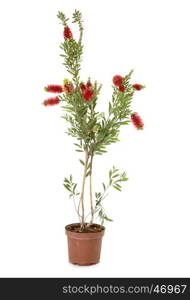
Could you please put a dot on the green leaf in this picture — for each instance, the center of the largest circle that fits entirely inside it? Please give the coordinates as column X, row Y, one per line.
column 117, row 188
column 77, row 145
column 118, row 185
column 88, row 173
column 66, row 180
column 82, row 162
column 114, row 176
column 125, row 179
column 107, row 219
column 98, row 153
column 98, row 195
column 67, row 187
column 74, row 187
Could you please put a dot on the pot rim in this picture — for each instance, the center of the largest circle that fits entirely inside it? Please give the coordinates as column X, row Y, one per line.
column 72, row 224
column 84, row 235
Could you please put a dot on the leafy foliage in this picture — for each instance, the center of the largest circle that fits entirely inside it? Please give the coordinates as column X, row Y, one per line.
column 72, row 57
column 77, row 18
column 93, row 131
column 63, row 18
column 70, row 186
column 115, row 180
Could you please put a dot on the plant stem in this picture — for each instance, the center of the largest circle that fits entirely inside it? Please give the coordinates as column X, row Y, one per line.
column 81, row 32
column 91, row 201
column 79, row 216
column 81, row 202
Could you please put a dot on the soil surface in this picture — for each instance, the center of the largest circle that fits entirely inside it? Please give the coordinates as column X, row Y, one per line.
column 87, row 229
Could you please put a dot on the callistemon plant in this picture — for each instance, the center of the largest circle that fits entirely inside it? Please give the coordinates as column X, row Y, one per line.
column 92, row 130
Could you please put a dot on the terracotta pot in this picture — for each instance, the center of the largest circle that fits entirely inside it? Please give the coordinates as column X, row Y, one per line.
column 84, row 248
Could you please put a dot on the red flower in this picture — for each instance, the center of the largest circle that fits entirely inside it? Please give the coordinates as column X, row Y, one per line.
column 121, row 88
column 54, row 88
column 68, row 88
column 117, row 80
column 51, row 101
column 89, row 84
column 138, row 87
column 82, row 86
column 137, row 121
column 67, row 33
column 88, row 94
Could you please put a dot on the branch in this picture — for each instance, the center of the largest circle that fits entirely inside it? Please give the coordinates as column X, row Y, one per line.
column 71, row 187
column 63, row 18
column 77, row 18
column 81, row 202
column 91, row 200
column 114, row 181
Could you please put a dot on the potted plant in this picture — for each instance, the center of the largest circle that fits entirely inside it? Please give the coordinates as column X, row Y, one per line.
column 93, row 131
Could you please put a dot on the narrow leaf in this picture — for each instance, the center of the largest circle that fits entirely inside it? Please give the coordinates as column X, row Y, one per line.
column 81, row 161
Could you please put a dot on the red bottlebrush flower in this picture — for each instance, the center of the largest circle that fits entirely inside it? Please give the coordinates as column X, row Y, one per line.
column 51, row 101
column 121, row 88
column 117, row 80
column 67, row 33
column 68, row 88
column 89, row 85
column 54, row 88
column 88, row 95
column 138, row 87
column 82, row 86
column 137, row 121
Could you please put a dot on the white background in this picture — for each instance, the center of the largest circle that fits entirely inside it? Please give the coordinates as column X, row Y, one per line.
column 150, row 232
